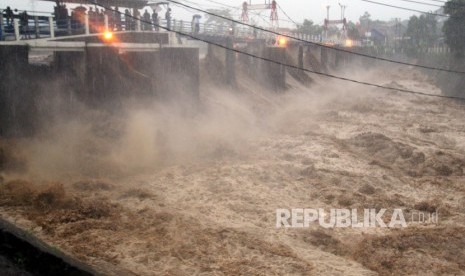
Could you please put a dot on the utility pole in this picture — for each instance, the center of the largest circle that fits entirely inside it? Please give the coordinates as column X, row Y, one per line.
column 398, row 33
column 327, row 12
column 343, row 16
column 327, row 20
column 343, row 11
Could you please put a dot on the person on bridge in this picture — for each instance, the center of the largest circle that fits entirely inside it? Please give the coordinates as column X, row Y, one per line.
column 100, row 19
column 127, row 20
column 196, row 24
column 111, row 19
column 147, row 20
column 24, row 18
column 73, row 20
column 61, row 15
column 64, row 14
column 9, row 16
column 245, row 12
column 168, row 19
column 78, row 16
column 117, row 18
column 155, row 20
column 92, row 19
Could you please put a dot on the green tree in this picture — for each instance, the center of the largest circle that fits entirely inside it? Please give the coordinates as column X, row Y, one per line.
column 352, row 31
column 308, row 27
column 365, row 21
column 422, row 32
column 211, row 19
column 455, row 25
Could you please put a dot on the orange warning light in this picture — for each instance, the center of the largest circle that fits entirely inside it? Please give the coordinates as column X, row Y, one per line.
column 108, row 36
column 349, row 43
column 282, row 42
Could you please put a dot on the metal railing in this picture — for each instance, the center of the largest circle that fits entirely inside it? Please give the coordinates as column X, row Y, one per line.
column 47, row 26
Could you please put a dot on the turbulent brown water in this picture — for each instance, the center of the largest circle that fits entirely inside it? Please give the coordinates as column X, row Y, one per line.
column 152, row 190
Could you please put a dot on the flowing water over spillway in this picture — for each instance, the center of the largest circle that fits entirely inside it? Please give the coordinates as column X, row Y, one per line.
column 151, row 190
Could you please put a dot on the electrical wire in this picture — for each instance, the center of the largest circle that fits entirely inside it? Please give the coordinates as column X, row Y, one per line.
column 455, row 5
column 296, row 24
column 438, row 1
column 422, row 3
column 320, row 44
column 402, row 8
column 280, row 63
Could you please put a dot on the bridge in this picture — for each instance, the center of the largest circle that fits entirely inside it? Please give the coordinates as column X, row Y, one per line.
column 100, row 63
column 43, row 25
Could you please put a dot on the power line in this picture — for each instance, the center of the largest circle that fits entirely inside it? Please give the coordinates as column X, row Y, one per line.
column 322, row 45
column 283, row 64
column 233, row 7
column 453, row 4
column 281, row 9
column 402, row 8
column 438, row 1
column 422, row 3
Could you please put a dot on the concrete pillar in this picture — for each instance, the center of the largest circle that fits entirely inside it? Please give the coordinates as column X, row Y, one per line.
column 245, row 60
column 102, row 75
column 172, row 74
column 70, row 67
column 209, row 51
column 337, row 58
column 105, row 19
column 143, row 78
column 172, row 38
column 51, row 27
column 36, row 26
column 68, row 26
column 86, row 24
column 178, row 72
column 16, row 27
column 230, row 63
column 324, row 56
column 17, row 93
column 274, row 74
column 12, row 56
column 138, row 26
column 301, row 56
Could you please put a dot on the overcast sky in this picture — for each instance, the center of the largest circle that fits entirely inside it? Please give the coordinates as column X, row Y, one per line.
column 296, row 9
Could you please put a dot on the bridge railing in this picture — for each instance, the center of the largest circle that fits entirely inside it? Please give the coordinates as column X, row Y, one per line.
column 34, row 25
column 45, row 25
column 216, row 29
